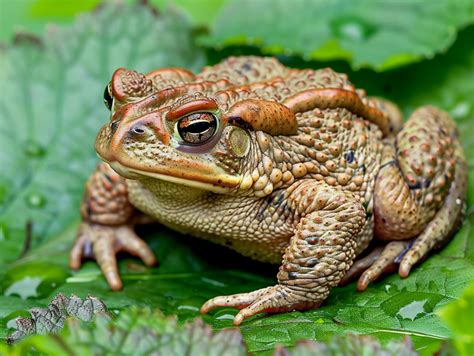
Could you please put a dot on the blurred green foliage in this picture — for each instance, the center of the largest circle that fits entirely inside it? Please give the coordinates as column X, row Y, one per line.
column 381, row 34
column 34, row 15
column 53, row 108
column 458, row 316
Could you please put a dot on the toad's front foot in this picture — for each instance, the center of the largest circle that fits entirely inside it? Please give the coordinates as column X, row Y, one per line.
column 274, row 299
column 103, row 243
column 107, row 225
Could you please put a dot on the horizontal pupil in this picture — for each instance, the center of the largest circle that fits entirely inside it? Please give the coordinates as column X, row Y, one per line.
column 198, row 127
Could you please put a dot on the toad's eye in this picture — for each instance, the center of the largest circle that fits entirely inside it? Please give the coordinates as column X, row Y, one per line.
column 197, row 128
column 108, row 100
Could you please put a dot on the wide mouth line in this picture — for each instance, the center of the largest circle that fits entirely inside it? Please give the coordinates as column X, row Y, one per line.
column 120, row 168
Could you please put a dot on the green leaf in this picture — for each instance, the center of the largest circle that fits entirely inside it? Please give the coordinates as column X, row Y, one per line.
column 458, row 315
column 53, row 109
column 380, row 34
column 136, row 331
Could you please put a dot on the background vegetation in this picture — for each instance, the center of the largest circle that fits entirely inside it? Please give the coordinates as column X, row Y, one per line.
column 52, row 78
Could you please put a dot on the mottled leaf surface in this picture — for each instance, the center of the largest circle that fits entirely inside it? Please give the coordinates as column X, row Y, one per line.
column 380, row 34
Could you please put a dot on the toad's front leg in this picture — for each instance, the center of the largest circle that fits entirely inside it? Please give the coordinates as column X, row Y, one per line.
column 319, row 254
column 107, row 225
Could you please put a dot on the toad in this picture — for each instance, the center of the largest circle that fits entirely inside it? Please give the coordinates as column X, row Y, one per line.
column 286, row 166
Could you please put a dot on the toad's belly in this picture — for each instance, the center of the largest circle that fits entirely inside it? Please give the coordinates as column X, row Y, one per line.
column 239, row 223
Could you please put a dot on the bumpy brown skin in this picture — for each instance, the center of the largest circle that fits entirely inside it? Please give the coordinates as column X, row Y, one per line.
column 282, row 165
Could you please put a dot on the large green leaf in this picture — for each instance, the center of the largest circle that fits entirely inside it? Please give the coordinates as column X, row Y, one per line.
column 51, row 111
column 380, row 34
column 48, row 120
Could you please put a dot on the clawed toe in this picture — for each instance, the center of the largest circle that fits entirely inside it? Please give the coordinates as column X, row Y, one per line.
column 267, row 300
column 387, row 262
column 238, row 301
column 102, row 243
column 381, row 260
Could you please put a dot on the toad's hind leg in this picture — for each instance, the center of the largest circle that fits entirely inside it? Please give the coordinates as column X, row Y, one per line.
column 421, row 188
column 319, row 254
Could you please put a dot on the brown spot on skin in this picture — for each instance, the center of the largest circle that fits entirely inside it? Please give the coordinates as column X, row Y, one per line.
column 299, row 170
column 321, row 157
column 335, row 149
column 343, row 178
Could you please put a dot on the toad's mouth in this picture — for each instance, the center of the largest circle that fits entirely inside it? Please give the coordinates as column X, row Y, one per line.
column 220, row 184
column 163, row 163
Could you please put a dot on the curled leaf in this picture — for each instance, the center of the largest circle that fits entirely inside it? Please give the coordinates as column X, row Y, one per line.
column 52, row 318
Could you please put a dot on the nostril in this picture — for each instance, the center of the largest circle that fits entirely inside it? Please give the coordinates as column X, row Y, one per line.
column 138, row 130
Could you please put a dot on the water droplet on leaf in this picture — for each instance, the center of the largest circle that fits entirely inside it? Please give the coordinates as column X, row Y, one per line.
column 413, row 310
column 352, row 29
column 11, row 324
column 225, row 314
column 25, row 288
column 461, row 110
column 45, row 277
column 188, row 307
column 36, row 200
